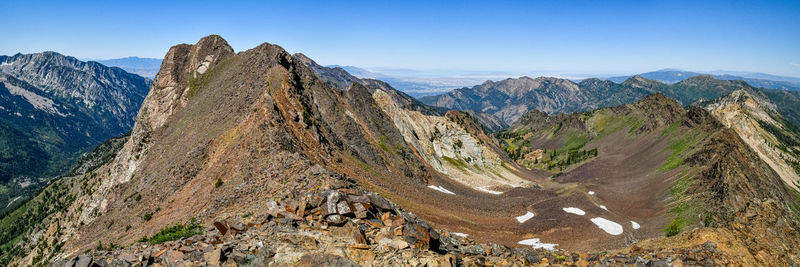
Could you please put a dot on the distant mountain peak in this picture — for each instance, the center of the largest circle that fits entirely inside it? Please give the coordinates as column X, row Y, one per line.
column 639, row 81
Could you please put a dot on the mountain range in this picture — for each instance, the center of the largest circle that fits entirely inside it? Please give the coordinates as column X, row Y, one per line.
column 507, row 100
column 264, row 158
column 53, row 108
column 671, row 76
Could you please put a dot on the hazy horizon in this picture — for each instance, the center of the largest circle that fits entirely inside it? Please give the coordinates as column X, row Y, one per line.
column 514, row 37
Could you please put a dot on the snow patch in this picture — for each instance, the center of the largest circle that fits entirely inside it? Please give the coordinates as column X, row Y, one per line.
column 574, row 211
column 607, row 225
column 635, row 225
column 536, row 243
column 462, row 235
column 523, row 218
column 489, row 191
column 441, row 189
column 603, row 207
column 12, row 201
column 591, row 192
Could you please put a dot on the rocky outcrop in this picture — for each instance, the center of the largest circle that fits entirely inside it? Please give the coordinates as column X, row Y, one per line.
column 181, row 68
column 345, row 227
column 756, row 120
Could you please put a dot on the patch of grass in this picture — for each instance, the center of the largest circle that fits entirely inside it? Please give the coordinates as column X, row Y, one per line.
column 460, row 164
column 175, row 232
column 218, row 183
column 674, row 227
column 679, row 145
column 687, row 211
column 671, row 129
column 573, row 141
column 110, row 246
column 382, row 144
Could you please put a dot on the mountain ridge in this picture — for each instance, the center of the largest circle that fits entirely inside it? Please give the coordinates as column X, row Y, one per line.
column 53, row 108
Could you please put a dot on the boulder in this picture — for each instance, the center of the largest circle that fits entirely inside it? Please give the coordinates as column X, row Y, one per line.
column 238, row 227
column 273, row 208
column 344, row 208
column 335, row 220
column 417, row 235
column 221, row 227
column 379, row 202
column 83, row 260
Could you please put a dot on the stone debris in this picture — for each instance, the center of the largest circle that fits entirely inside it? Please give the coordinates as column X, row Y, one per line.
column 334, row 228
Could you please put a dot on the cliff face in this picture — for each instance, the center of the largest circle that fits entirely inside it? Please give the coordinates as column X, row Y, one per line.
column 756, row 120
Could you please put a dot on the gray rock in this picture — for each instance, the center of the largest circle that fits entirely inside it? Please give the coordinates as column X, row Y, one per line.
column 710, row 245
column 335, row 219
column 473, row 250
column 380, row 202
column 661, row 263
column 263, row 258
column 325, row 260
column 83, row 261
column 120, row 263
column 239, row 227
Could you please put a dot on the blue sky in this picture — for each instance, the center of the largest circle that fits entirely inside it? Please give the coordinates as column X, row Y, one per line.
column 581, row 37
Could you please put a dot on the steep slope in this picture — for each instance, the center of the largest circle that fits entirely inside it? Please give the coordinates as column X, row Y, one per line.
column 709, row 176
column 52, row 109
column 756, row 120
column 301, row 155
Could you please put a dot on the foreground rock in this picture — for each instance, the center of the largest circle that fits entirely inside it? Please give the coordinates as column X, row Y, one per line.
column 347, row 227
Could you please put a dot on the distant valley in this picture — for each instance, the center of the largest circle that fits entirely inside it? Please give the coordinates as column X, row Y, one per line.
column 54, row 108
column 145, row 67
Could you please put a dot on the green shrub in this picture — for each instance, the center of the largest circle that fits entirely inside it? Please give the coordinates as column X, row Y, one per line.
column 673, row 228
column 175, row 232
column 218, row 183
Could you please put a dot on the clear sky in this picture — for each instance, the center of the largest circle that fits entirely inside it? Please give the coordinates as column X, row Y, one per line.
column 597, row 37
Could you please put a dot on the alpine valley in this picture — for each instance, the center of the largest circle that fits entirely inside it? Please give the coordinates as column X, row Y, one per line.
column 53, row 109
column 265, row 158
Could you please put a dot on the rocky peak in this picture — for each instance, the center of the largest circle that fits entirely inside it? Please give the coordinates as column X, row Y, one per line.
column 335, row 77
column 659, row 103
column 182, row 65
column 710, row 82
column 744, row 98
column 640, row 82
